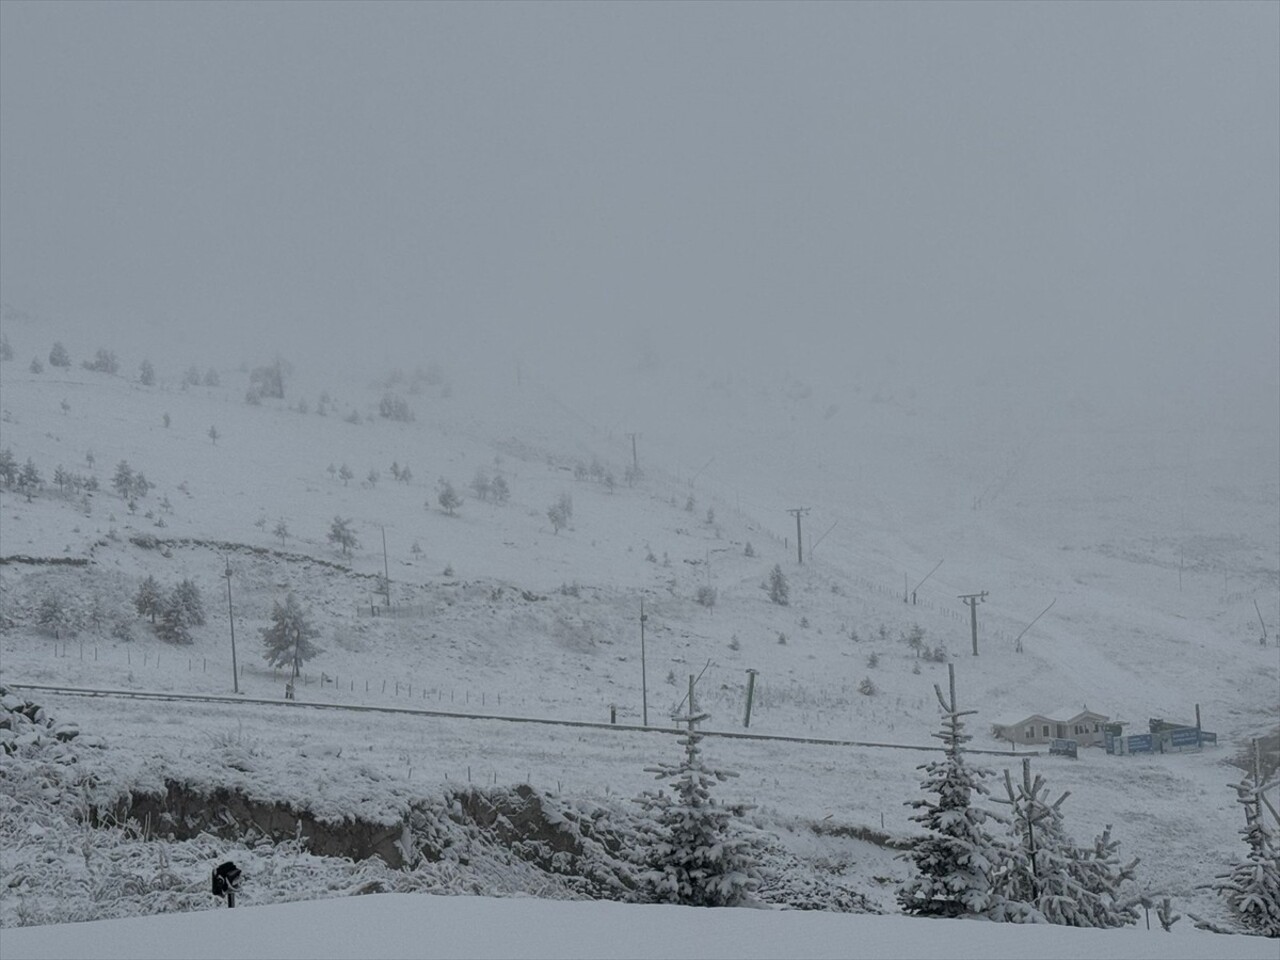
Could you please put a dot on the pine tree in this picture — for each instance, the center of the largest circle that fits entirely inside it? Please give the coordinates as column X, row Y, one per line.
column 1050, row 879
column 1252, row 886
column 8, row 467
column 281, row 530
column 341, row 534
column 560, row 512
column 174, row 627
column 779, row 590
column 147, row 374
column 58, row 356
column 501, row 492
column 123, row 479
column 29, row 479
column 958, row 862
column 52, row 614
column 147, row 600
column 186, row 595
column 449, row 499
column 288, row 639
column 345, row 473
column 695, row 854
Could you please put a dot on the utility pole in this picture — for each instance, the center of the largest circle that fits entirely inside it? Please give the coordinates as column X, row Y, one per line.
column 971, row 601
column 235, row 675
column 751, row 689
column 798, row 512
column 635, row 461
column 644, row 681
column 386, row 573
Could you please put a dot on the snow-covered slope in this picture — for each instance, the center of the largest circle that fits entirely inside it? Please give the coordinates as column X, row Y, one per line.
column 1153, row 545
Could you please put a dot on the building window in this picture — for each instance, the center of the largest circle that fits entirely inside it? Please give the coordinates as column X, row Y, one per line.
column 1031, row 733
column 1046, row 730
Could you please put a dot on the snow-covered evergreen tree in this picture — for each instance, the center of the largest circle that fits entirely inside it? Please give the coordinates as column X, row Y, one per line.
column 186, row 596
column 52, row 614
column 341, row 534
column 501, row 492
column 123, row 479
column 147, row 600
column 958, row 862
column 1252, row 887
column 779, row 590
column 449, row 499
column 1049, row 878
column 29, row 479
column 695, row 854
column 174, row 627
column 288, row 639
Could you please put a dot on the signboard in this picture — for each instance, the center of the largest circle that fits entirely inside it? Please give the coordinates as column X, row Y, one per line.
column 1185, row 737
column 1063, row 748
column 1139, row 743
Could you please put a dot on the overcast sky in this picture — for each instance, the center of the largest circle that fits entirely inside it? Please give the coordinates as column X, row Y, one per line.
column 1091, row 186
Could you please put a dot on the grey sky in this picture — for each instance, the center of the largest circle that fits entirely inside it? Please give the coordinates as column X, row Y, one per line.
column 1090, row 186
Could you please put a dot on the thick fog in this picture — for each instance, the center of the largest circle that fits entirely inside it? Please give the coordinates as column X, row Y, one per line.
column 1058, row 199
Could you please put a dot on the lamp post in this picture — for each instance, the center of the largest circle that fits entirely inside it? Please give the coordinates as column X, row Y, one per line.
column 235, row 673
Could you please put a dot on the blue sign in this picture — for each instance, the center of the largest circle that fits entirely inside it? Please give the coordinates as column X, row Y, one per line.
column 1139, row 743
column 1207, row 737
column 1185, row 737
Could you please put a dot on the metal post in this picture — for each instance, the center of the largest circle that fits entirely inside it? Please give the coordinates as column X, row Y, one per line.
column 644, row 681
column 751, row 689
column 235, row 674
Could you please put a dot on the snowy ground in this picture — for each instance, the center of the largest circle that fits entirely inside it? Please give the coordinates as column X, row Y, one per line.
column 1156, row 547
column 403, row 925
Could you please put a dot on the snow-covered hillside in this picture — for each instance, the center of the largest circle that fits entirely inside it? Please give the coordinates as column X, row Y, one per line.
column 1153, row 550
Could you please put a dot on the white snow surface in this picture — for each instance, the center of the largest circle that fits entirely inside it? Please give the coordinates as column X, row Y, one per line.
column 428, row 927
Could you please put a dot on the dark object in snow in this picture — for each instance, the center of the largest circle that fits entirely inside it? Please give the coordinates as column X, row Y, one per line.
column 226, row 880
